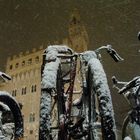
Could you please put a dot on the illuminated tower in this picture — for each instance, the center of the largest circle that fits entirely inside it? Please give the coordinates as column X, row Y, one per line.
column 78, row 37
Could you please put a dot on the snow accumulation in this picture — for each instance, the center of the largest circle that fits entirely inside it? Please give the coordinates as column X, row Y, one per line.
column 53, row 50
column 49, row 78
column 59, row 48
column 7, row 132
column 135, row 131
column 50, row 69
column 50, row 74
column 127, row 138
column 49, row 82
column 103, row 92
column 6, row 98
column 77, row 101
column 5, row 107
column 88, row 55
column 8, row 129
column 99, row 77
column 45, row 109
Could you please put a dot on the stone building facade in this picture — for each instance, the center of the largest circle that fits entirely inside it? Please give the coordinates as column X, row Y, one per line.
column 25, row 70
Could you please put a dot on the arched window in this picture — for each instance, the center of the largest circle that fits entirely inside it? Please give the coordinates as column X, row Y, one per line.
column 32, row 117
column 33, row 88
column 23, row 91
column 37, row 59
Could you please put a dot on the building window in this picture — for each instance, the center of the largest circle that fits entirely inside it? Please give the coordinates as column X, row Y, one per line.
column 30, row 61
column 17, row 64
column 31, row 131
column 37, row 59
column 14, row 93
column 11, row 66
column 74, row 20
column 23, row 91
column 23, row 63
column 32, row 117
column 33, row 88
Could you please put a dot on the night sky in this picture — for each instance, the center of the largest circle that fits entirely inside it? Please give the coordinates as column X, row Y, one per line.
column 31, row 23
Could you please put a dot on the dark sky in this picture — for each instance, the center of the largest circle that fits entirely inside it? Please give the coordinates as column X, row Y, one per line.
column 30, row 23
column 24, row 25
